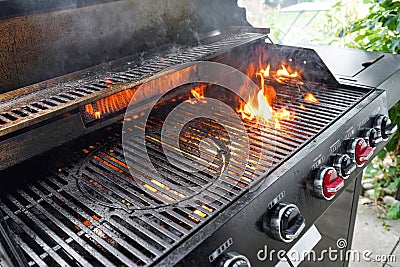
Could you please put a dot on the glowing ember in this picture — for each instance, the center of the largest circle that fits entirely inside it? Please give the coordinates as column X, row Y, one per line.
column 108, row 82
column 199, row 213
column 110, row 104
column 310, row 98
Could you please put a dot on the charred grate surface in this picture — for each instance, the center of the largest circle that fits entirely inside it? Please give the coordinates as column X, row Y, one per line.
column 22, row 111
column 89, row 213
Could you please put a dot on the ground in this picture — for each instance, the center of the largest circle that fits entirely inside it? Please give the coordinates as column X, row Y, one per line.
column 369, row 234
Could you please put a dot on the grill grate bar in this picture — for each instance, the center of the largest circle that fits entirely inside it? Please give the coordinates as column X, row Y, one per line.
column 88, row 230
column 140, row 229
column 154, row 197
column 205, row 166
column 97, row 86
column 199, row 127
column 128, row 246
column 130, row 187
column 30, row 253
column 68, row 232
column 200, row 179
column 143, row 177
column 31, row 233
column 118, row 194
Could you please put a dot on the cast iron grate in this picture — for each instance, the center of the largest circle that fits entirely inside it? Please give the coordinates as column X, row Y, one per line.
column 90, row 213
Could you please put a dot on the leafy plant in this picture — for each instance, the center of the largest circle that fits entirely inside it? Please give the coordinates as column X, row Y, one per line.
column 385, row 176
column 385, row 225
column 394, row 211
column 380, row 29
column 337, row 20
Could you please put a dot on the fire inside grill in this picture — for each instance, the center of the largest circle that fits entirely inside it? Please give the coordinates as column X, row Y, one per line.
column 105, row 207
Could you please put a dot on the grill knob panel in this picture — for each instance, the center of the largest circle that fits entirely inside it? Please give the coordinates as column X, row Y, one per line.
column 344, row 165
column 284, row 222
column 384, row 126
column 372, row 137
column 360, row 151
column 327, row 183
column 234, row 259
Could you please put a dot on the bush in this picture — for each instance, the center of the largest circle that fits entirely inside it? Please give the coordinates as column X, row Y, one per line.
column 380, row 29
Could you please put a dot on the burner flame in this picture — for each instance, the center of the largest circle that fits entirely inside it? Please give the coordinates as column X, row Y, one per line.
column 310, row 98
column 198, row 94
column 261, row 107
column 285, row 73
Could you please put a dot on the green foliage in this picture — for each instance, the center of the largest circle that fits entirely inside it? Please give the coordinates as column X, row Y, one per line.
column 380, row 29
column 394, row 211
column 385, row 170
column 385, row 225
column 339, row 18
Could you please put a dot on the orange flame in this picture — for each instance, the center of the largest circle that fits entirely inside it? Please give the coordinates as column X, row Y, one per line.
column 261, row 108
column 265, row 73
column 285, row 74
column 282, row 114
column 310, row 98
column 110, row 104
column 302, row 107
column 198, row 94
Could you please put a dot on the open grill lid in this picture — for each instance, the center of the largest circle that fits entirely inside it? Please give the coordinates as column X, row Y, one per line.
column 43, row 44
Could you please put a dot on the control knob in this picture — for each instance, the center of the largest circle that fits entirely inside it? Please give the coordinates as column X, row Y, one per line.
column 327, row 183
column 344, row 165
column 372, row 136
column 284, row 222
column 384, row 126
column 234, row 259
column 359, row 151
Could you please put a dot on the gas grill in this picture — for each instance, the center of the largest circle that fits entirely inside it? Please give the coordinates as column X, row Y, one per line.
column 205, row 185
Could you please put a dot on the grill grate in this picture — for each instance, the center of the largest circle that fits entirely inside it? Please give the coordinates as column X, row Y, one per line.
column 28, row 109
column 90, row 213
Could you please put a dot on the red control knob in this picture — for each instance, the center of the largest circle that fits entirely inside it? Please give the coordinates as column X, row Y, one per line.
column 327, row 183
column 360, row 151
